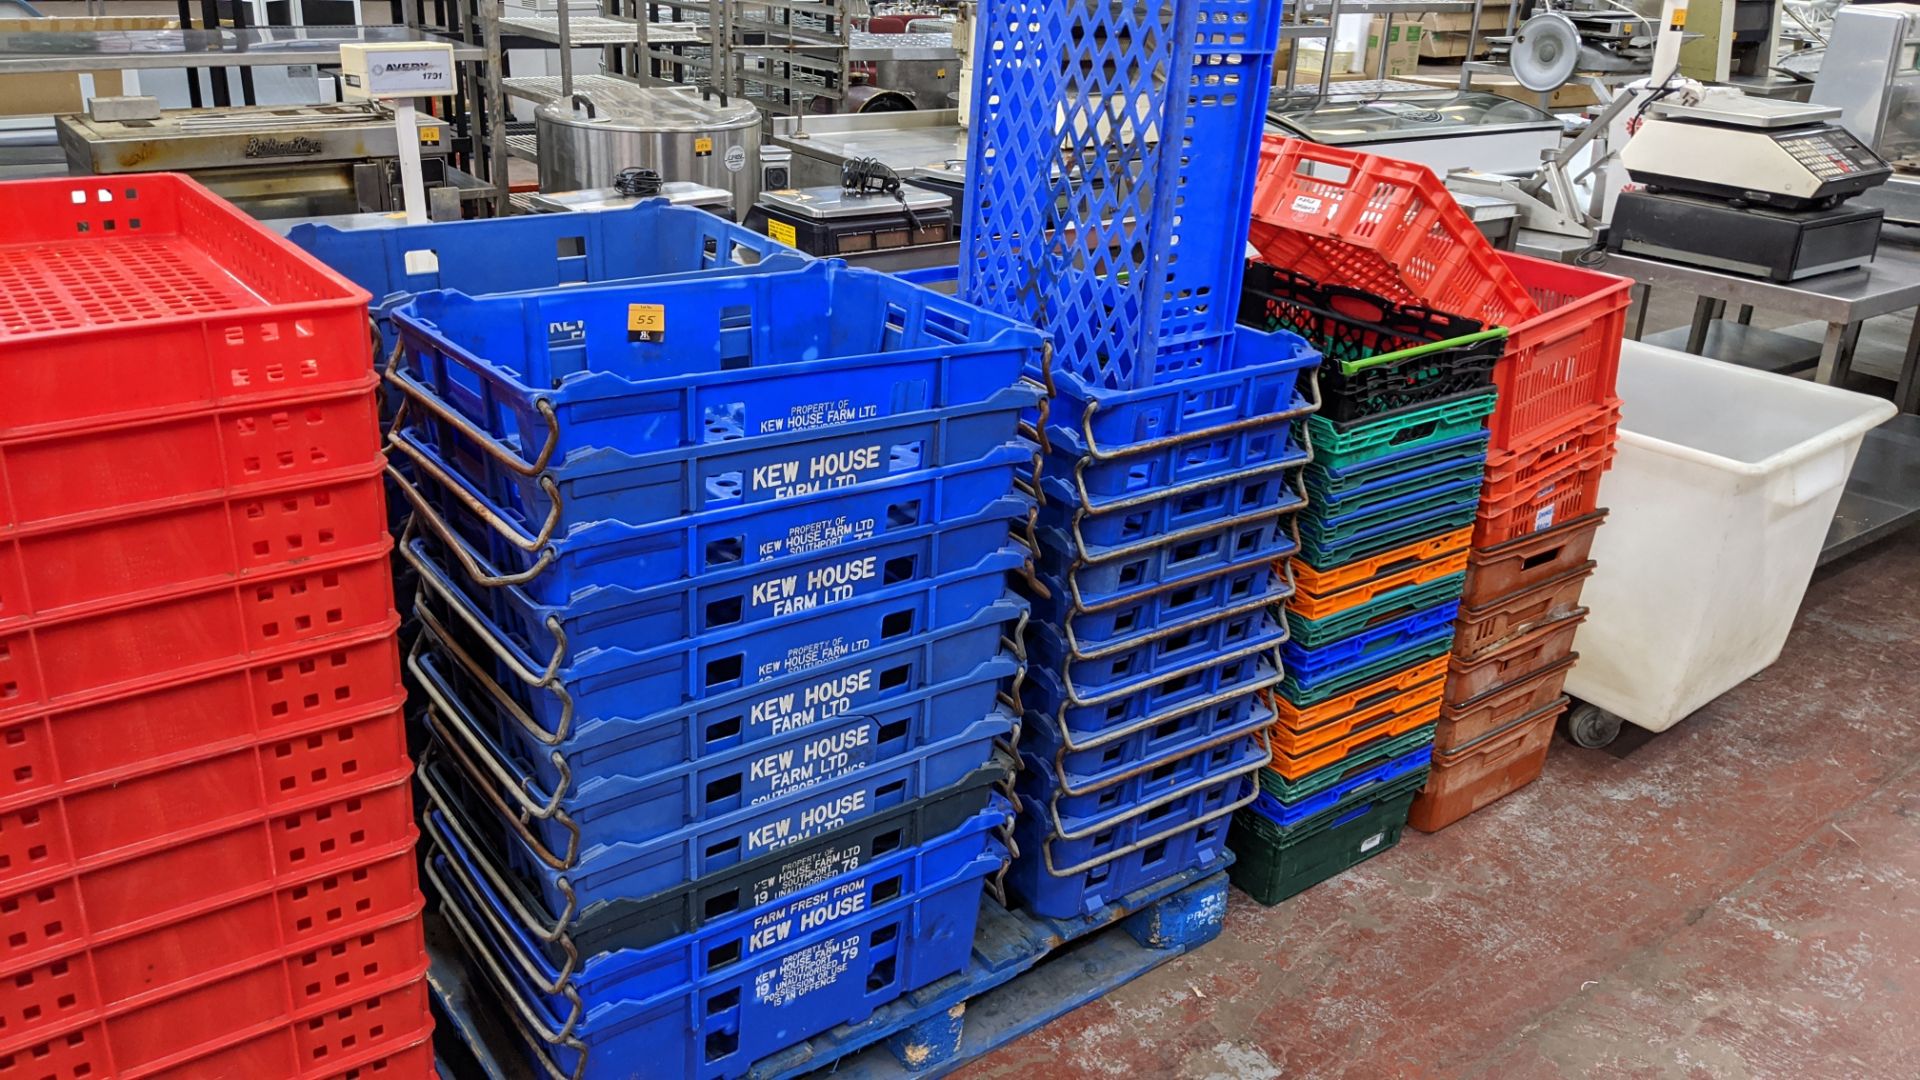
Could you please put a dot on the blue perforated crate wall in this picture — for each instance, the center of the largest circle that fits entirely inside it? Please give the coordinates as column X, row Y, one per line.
column 537, row 251
column 1162, row 105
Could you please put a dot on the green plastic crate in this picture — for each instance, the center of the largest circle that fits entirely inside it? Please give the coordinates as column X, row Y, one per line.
column 1322, row 481
column 1326, row 498
column 1369, row 439
column 1329, row 555
column 1320, row 779
column 1313, row 529
column 1271, row 864
column 1391, row 604
column 1391, row 662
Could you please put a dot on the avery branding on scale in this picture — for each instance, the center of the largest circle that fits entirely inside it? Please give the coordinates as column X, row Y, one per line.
column 397, row 70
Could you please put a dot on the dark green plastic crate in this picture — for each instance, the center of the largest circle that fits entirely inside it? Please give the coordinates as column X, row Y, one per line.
column 1272, row 864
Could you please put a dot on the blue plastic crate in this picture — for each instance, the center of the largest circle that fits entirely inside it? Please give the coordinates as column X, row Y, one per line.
column 1138, row 659
column 1160, row 603
column 901, row 681
column 1174, row 513
column 1214, row 676
column 541, row 379
column 554, row 568
column 955, row 569
column 1082, row 759
column 1157, row 794
column 1062, row 878
column 1145, row 764
column 1101, row 576
column 551, row 779
column 567, row 875
column 1153, row 275
column 605, row 485
column 709, row 1004
column 1365, row 778
column 1066, row 495
column 1316, row 667
column 1258, row 385
column 652, row 239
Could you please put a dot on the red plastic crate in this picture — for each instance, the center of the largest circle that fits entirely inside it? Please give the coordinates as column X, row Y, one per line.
column 91, row 825
column 91, row 657
column 247, row 1026
column 248, row 980
column 50, row 911
column 1486, row 627
column 285, row 1053
column 1390, row 227
column 1562, row 363
column 1557, row 481
column 45, row 753
column 116, row 471
column 48, row 572
column 149, row 295
column 1485, row 770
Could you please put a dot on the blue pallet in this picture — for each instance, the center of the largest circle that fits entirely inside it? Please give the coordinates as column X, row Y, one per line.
column 605, row 485
column 569, row 876
column 605, row 680
column 1160, row 602
column 555, row 568
column 1164, row 289
column 1214, row 678
column 1185, row 751
column 1102, row 576
column 1370, row 776
column 1100, row 671
column 1163, row 516
column 915, row 682
column 1062, row 878
column 653, row 239
column 1311, row 668
column 758, row 982
column 544, row 379
column 1082, row 760
column 1259, row 380
column 1025, row 971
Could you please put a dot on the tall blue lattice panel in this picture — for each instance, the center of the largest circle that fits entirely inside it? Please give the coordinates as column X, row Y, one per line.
column 1111, row 166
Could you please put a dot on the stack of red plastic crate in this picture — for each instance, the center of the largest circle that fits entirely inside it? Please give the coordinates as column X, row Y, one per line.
column 206, row 829
column 1391, row 228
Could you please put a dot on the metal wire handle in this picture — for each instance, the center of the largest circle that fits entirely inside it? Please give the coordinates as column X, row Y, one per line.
column 561, row 984
column 1081, row 552
column 432, row 577
column 1159, row 633
column 1142, row 498
column 1096, row 453
column 1134, row 687
column 428, row 775
column 416, row 393
column 517, row 820
column 1081, row 607
column 1257, row 724
column 1068, row 745
column 431, row 624
column 470, row 561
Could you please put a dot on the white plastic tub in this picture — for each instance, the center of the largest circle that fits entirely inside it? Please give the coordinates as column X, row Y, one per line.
column 1724, row 487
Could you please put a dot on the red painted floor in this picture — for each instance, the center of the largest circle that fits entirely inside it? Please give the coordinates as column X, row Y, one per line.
column 1739, row 897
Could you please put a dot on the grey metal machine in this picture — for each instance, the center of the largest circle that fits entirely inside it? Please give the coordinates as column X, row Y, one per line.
column 271, row 161
column 1869, row 73
column 585, row 142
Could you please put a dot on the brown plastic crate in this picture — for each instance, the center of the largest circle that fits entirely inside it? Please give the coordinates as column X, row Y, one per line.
column 1490, row 768
column 1461, row 724
column 1517, row 565
column 1539, row 647
column 1488, row 626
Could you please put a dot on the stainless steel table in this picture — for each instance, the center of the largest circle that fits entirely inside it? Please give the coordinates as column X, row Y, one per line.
column 112, row 50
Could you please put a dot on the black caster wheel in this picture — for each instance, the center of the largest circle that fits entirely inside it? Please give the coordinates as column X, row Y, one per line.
column 1591, row 726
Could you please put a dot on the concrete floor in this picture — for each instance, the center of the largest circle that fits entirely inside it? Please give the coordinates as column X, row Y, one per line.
column 1738, row 897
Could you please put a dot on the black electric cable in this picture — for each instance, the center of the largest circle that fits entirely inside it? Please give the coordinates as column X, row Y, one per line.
column 871, row 176
column 637, row 181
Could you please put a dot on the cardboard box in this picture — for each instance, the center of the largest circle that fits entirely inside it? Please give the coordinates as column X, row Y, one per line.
column 1403, row 47
column 1308, row 69
column 1446, row 34
column 51, row 93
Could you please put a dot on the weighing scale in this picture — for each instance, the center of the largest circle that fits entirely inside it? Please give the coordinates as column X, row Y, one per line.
column 1749, row 185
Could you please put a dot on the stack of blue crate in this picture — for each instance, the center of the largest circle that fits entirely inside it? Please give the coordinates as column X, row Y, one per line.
column 715, row 639
column 1170, row 474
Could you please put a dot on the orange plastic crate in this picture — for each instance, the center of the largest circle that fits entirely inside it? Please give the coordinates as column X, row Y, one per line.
column 1559, row 481
column 1485, row 771
column 1387, row 226
column 1317, row 607
column 1287, row 714
column 1484, row 628
column 1562, row 362
column 1299, row 742
column 1525, row 654
column 1382, row 727
column 1325, row 582
column 1461, row 724
column 1518, row 565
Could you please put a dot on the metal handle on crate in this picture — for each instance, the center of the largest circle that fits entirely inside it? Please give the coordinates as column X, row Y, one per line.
column 563, row 982
column 1010, row 695
column 1081, row 547
column 432, row 577
column 1029, row 540
column 1259, row 725
column 1043, row 409
column 468, row 560
column 455, row 713
column 1095, row 453
column 400, row 441
column 1154, row 495
column 1081, row 607
column 437, row 721
column 1046, row 846
column 418, row 394
column 1162, row 632
column 457, row 819
column 1068, row 745
column 432, row 625
column 1074, row 698
column 532, row 1027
